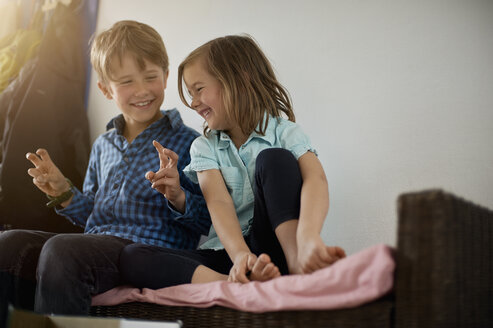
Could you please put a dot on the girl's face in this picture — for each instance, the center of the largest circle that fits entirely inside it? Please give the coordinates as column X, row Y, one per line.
column 206, row 93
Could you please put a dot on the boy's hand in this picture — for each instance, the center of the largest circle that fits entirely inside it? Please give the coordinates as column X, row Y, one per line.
column 313, row 254
column 167, row 179
column 46, row 176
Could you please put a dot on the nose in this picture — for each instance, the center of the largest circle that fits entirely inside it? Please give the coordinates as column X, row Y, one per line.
column 195, row 102
column 140, row 89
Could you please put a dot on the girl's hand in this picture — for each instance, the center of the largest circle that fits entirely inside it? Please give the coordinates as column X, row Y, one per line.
column 167, row 179
column 46, row 175
column 313, row 254
column 242, row 264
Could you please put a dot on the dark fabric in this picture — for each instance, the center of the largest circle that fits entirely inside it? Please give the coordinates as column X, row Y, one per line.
column 69, row 268
column 277, row 199
column 74, row 267
column 146, row 266
column 19, row 252
column 44, row 107
column 278, row 184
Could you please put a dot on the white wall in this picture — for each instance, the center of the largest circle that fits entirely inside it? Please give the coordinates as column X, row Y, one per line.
column 396, row 95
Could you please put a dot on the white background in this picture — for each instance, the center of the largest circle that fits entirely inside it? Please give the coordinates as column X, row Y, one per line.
column 396, row 96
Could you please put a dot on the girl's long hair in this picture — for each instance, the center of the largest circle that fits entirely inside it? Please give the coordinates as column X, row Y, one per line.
column 249, row 85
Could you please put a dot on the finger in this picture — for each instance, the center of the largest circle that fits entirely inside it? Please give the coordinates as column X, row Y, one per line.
column 251, row 260
column 172, row 157
column 271, row 271
column 163, row 159
column 34, row 172
column 241, row 270
column 149, row 175
column 165, row 173
column 39, row 176
column 33, row 158
column 241, row 277
column 45, row 157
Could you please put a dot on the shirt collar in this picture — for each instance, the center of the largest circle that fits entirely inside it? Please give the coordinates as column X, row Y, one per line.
column 171, row 118
column 270, row 137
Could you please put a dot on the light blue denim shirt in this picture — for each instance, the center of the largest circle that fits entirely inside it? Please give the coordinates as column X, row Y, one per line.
column 237, row 166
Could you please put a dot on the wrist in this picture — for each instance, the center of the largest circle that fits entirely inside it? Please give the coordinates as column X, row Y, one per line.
column 62, row 199
column 180, row 201
column 238, row 256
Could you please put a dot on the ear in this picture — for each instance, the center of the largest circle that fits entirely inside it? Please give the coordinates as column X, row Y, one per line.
column 165, row 77
column 105, row 90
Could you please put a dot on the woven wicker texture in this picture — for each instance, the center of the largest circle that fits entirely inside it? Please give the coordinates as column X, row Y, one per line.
column 376, row 314
column 444, row 275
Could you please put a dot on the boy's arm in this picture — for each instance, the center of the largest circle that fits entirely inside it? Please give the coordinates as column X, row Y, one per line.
column 226, row 224
column 184, row 198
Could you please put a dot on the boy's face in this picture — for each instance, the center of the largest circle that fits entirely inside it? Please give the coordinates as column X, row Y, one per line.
column 138, row 93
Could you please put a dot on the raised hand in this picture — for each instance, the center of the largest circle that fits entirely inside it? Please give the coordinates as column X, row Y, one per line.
column 46, row 176
column 167, row 179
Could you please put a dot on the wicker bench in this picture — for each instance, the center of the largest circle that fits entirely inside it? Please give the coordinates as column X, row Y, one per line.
column 444, row 277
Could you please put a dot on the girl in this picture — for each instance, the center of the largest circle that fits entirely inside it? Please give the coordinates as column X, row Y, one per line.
column 263, row 184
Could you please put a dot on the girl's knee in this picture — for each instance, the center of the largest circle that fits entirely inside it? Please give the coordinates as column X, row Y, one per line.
column 274, row 157
column 277, row 162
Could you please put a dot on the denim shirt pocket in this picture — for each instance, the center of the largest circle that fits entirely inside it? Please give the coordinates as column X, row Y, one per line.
column 234, row 180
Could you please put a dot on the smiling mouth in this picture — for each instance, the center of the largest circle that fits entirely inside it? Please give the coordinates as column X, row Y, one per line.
column 205, row 112
column 143, row 104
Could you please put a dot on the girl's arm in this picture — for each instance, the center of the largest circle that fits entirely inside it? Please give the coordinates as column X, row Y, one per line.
column 226, row 224
column 313, row 254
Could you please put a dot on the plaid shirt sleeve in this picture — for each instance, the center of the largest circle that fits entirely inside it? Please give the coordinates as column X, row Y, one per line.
column 82, row 204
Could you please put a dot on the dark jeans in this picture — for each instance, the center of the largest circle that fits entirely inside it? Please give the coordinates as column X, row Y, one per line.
column 53, row 273
column 277, row 199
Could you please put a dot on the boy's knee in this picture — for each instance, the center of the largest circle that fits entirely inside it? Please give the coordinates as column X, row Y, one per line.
column 56, row 251
column 18, row 246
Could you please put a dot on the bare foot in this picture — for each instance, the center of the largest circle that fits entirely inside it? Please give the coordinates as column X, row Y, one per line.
column 317, row 256
column 264, row 269
column 336, row 252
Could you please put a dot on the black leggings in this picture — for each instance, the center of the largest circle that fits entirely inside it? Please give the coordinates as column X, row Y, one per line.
column 277, row 199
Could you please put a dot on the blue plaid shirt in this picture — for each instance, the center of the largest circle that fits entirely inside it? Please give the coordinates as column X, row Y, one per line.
column 119, row 201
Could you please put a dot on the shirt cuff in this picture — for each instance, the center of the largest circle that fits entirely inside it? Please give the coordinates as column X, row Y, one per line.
column 188, row 207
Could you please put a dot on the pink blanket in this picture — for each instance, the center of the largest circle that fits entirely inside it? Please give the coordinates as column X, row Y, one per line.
column 355, row 280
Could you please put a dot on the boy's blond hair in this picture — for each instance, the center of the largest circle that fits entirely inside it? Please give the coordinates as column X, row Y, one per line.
column 123, row 37
column 249, row 85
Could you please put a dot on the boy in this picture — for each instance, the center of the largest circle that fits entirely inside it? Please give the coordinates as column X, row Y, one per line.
column 117, row 207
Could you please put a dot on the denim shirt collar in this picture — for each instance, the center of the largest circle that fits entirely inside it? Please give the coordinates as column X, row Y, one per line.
column 224, row 141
